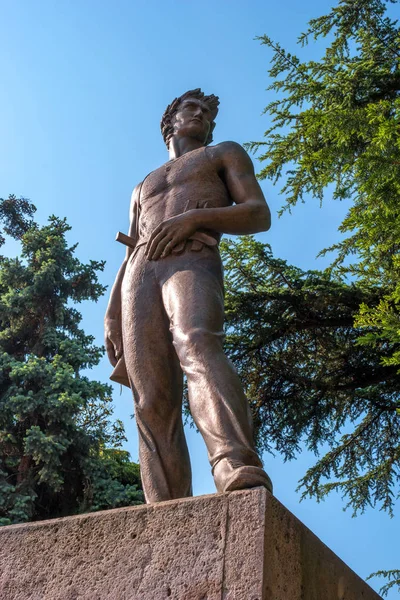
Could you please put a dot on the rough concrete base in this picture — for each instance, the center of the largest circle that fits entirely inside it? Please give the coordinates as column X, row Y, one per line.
column 239, row 546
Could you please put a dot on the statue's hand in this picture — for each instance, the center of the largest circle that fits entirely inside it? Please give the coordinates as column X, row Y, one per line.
column 170, row 233
column 113, row 339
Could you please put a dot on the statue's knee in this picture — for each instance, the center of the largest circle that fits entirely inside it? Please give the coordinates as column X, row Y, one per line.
column 198, row 340
column 198, row 346
column 152, row 411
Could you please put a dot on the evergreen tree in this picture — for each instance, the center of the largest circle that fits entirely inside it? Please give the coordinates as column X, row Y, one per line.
column 55, row 424
column 334, row 126
column 292, row 338
column 336, row 123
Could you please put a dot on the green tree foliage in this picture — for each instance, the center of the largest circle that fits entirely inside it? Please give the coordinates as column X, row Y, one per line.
column 292, row 338
column 55, row 422
column 334, row 130
column 16, row 216
column 393, row 579
column 113, row 480
column 335, row 122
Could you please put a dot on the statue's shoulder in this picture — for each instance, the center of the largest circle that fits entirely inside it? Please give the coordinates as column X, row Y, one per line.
column 227, row 148
column 227, row 151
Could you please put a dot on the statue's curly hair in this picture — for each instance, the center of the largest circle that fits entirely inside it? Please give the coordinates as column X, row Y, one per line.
column 166, row 124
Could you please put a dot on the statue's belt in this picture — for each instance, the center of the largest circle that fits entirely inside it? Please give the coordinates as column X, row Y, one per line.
column 198, row 240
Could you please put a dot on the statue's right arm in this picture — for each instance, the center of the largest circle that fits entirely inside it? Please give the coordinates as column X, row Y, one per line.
column 112, row 319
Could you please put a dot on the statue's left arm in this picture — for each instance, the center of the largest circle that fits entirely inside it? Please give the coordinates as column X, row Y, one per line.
column 248, row 214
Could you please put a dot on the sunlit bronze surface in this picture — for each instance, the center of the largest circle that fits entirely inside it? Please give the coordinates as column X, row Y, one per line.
column 166, row 311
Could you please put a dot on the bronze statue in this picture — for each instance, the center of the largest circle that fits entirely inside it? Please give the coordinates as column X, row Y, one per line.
column 166, row 311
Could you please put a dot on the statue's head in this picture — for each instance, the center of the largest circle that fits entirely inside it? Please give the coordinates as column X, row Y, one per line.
column 192, row 114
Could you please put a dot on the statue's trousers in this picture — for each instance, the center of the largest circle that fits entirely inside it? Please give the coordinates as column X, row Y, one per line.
column 172, row 322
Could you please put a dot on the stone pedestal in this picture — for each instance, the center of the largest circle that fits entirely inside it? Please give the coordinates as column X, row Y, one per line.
column 239, row 546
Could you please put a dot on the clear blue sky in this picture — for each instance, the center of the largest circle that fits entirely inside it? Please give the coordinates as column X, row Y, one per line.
column 84, row 85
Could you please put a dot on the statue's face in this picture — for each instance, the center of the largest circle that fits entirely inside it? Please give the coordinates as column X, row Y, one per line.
column 193, row 119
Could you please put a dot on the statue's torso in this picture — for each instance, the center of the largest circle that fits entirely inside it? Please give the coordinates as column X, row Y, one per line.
column 188, row 182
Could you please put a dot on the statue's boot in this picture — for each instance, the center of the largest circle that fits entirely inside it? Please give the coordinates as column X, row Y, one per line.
column 229, row 475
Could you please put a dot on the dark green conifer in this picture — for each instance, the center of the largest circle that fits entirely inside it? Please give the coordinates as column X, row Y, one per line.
column 335, row 132
column 55, row 422
column 327, row 351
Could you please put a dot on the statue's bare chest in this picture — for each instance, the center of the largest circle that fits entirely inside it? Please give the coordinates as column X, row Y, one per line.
column 188, row 182
column 183, row 174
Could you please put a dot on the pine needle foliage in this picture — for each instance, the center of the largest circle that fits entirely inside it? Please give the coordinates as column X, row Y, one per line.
column 292, row 338
column 55, row 422
column 393, row 580
column 335, row 131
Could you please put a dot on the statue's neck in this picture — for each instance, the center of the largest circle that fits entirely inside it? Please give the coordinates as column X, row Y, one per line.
column 180, row 145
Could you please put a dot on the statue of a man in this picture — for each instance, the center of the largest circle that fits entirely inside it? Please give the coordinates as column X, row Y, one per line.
column 166, row 311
